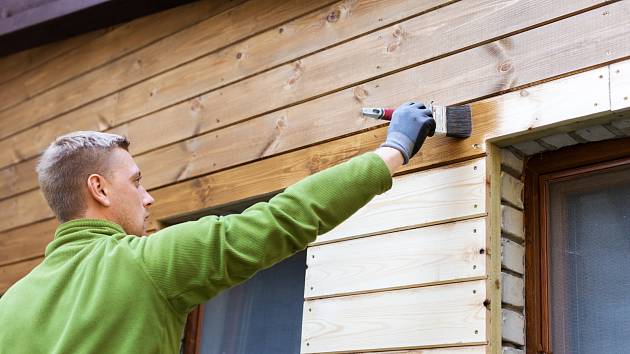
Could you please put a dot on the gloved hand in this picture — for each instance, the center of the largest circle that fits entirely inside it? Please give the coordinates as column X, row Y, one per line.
column 411, row 124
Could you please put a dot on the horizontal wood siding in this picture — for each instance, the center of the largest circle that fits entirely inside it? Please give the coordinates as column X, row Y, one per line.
column 422, row 256
column 424, row 198
column 224, row 102
column 441, row 315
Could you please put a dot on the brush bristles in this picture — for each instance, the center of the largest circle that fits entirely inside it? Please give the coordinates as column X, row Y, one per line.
column 458, row 121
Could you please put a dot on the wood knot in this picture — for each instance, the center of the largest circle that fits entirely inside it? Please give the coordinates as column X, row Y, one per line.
column 360, row 93
column 333, row 16
column 297, row 72
column 398, row 35
column 524, row 93
column 195, row 105
column 506, row 66
column 239, row 55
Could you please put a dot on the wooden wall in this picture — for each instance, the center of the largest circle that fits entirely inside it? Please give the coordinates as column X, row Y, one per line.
column 226, row 101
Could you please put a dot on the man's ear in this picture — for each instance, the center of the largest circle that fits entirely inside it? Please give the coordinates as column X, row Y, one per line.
column 97, row 189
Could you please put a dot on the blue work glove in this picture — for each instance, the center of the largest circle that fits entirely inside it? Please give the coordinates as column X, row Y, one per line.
column 411, row 124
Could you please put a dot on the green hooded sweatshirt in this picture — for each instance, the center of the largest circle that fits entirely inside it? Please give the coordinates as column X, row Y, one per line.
column 99, row 290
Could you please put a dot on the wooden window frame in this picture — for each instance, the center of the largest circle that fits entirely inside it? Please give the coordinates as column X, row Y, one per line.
column 539, row 170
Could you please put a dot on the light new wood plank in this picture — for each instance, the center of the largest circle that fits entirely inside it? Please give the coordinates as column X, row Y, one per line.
column 620, row 85
column 427, row 197
column 181, row 47
column 477, row 349
column 113, row 44
column 10, row 274
column 420, row 256
column 317, row 74
column 411, row 318
column 26, row 242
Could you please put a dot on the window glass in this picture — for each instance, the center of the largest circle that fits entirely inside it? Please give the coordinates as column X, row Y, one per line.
column 590, row 263
column 262, row 315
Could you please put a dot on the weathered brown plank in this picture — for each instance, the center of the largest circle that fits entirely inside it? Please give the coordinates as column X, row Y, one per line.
column 114, row 44
column 432, row 316
column 513, row 113
column 291, row 40
column 471, row 74
column 24, row 209
column 171, row 51
column 392, row 48
column 18, row 178
column 11, row 273
column 26, row 242
column 421, row 256
column 17, row 64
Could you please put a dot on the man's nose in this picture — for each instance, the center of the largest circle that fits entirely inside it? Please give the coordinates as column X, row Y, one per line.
column 148, row 199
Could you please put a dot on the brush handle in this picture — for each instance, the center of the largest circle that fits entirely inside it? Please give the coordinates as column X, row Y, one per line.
column 387, row 114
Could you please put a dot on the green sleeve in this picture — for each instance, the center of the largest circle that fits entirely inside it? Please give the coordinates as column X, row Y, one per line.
column 192, row 261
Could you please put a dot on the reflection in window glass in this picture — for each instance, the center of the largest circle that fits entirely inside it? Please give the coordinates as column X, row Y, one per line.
column 261, row 316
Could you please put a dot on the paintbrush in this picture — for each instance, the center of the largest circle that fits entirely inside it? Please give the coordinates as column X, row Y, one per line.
column 453, row 121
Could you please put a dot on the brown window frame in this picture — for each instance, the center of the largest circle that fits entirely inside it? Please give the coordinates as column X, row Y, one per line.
column 539, row 170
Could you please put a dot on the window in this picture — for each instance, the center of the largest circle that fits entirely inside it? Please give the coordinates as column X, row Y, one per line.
column 578, row 249
column 262, row 315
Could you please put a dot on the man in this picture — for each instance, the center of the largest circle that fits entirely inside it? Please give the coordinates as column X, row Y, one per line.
column 100, row 289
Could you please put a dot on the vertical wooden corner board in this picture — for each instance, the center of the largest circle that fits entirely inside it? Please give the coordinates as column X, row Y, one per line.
column 408, row 43
column 171, row 51
column 111, row 45
column 493, row 241
column 428, row 197
column 423, row 256
column 434, row 316
column 464, row 76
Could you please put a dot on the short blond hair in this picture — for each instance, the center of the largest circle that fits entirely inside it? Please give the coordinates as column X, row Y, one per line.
column 66, row 164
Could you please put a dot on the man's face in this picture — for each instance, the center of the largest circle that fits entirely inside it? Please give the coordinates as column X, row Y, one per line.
column 129, row 199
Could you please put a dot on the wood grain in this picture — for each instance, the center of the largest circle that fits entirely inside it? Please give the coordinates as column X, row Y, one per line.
column 24, row 209
column 411, row 318
column 478, row 349
column 18, row 64
column 375, row 54
column 183, row 46
column 113, row 44
column 423, row 198
column 304, row 35
column 10, row 274
column 302, row 125
column 528, row 111
column 423, row 256
column 26, row 242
